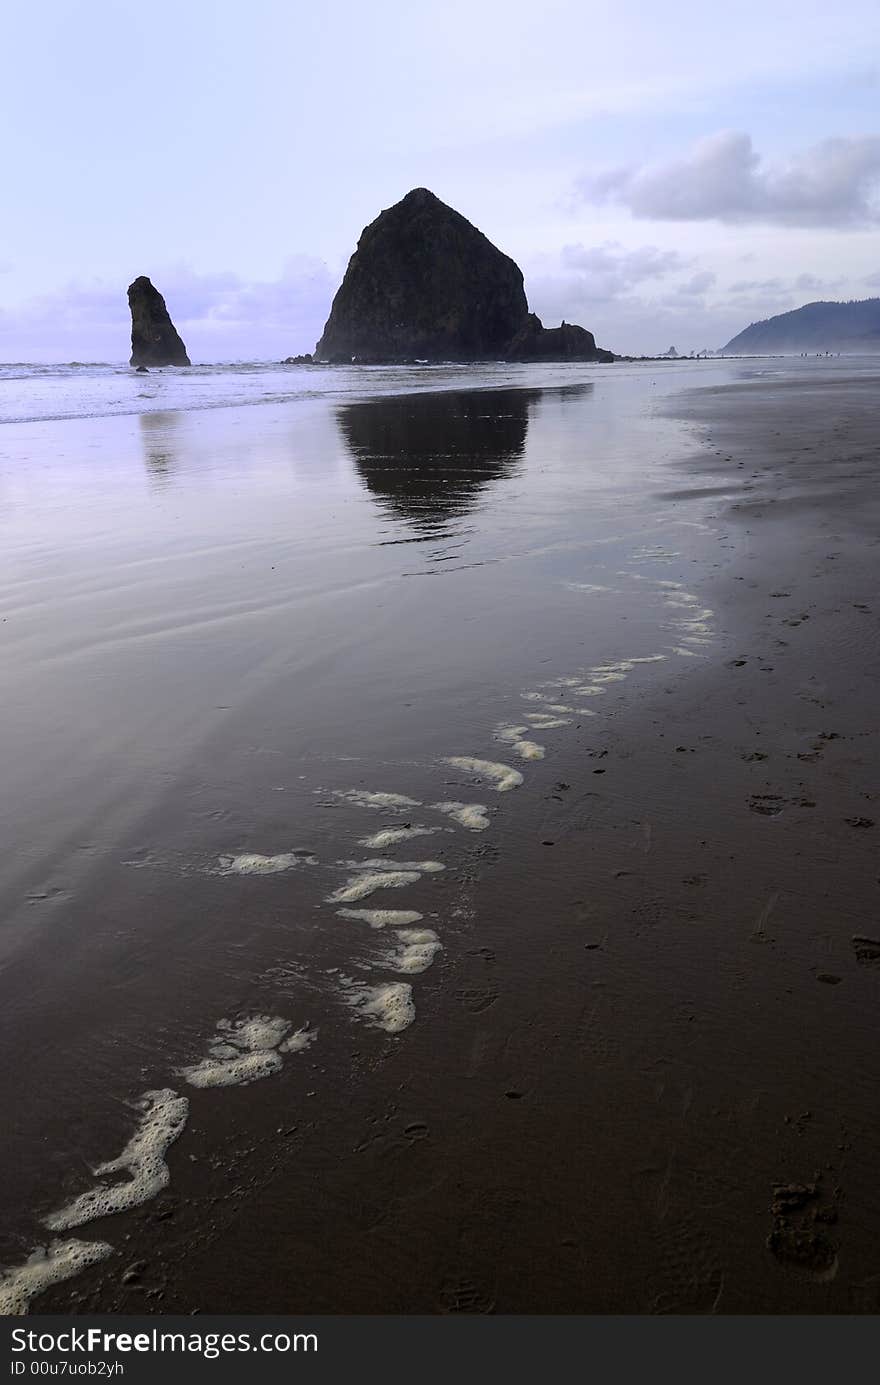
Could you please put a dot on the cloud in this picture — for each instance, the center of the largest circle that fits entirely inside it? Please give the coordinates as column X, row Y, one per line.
column 833, row 184
column 803, row 283
column 752, row 286
column 573, row 283
column 621, row 293
column 697, row 285
column 220, row 315
column 640, row 300
column 607, row 271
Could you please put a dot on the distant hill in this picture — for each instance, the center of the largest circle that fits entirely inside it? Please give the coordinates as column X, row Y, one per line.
column 853, row 326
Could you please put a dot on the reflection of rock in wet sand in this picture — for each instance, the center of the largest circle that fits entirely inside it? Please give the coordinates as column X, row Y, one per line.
column 426, row 457
column 160, row 449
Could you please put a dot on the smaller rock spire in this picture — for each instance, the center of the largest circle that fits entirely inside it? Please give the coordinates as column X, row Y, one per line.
column 154, row 338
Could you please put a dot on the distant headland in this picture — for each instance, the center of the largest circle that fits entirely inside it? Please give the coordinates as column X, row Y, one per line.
column 816, row 327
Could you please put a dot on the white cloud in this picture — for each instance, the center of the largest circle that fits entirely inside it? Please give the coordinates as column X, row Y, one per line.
column 609, row 270
column 753, row 286
column 626, row 296
column 697, row 285
column 722, row 178
column 580, row 279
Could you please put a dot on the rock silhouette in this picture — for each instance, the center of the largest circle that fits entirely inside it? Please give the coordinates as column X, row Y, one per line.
column 154, row 338
column 426, row 285
column 534, row 342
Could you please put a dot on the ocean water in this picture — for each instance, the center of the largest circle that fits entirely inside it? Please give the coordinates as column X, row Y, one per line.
column 287, row 654
column 29, row 392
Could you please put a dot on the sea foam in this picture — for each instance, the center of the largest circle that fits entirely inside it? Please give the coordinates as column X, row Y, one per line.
column 514, row 737
column 473, row 816
column 382, row 918
column 252, row 863
column 164, row 1116
column 387, row 1006
column 418, row 950
column 360, row 886
column 48, row 1265
column 365, row 798
column 390, row 836
column 501, row 777
column 246, row 1050
column 384, row 863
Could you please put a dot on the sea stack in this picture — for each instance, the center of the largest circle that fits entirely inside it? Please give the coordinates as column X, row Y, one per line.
column 534, row 342
column 154, row 338
column 426, row 285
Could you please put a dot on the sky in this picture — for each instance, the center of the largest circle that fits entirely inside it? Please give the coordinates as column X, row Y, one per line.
column 663, row 174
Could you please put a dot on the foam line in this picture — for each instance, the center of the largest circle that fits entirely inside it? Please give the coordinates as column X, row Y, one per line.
column 382, row 918
column 392, row 835
column 542, row 722
column 529, row 750
column 246, row 1050
column 419, row 948
column 47, row 1265
column 383, row 863
column 473, row 816
column 501, row 777
column 513, row 736
column 163, row 1119
column 252, row 863
column 507, row 732
column 364, row 798
column 360, row 886
column 387, row 1006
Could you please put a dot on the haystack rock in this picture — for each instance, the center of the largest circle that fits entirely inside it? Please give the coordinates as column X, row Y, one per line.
column 154, row 338
column 426, row 285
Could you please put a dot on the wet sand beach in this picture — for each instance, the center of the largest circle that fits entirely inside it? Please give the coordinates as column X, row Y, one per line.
column 577, row 676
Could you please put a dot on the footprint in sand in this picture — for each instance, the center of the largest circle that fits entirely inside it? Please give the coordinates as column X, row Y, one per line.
column 796, row 1241
column 770, row 805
